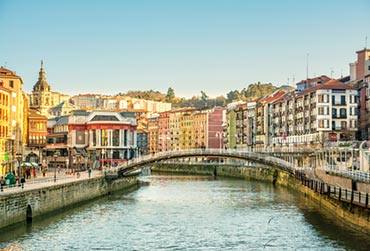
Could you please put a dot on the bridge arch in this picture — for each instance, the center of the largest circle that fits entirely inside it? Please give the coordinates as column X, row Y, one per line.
column 264, row 158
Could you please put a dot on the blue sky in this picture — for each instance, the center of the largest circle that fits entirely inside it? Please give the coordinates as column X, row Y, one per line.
column 192, row 45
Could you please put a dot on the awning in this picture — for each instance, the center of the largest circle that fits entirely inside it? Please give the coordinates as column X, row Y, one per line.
column 34, row 164
column 26, row 164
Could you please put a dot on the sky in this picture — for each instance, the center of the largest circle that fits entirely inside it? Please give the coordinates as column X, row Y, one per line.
column 214, row 46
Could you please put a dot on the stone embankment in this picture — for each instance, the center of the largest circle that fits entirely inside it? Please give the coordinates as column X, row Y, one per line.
column 38, row 199
column 357, row 216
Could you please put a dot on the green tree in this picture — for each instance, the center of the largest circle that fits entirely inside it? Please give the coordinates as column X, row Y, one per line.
column 170, row 95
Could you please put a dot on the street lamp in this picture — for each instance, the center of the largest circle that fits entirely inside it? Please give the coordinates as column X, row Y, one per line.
column 103, row 157
column 78, row 157
column 19, row 158
column 56, row 155
column 2, row 170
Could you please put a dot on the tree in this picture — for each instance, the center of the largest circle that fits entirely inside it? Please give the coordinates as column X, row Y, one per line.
column 170, row 95
column 204, row 98
column 232, row 96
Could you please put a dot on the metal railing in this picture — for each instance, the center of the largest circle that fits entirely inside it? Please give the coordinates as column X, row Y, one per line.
column 353, row 174
column 338, row 193
column 257, row 156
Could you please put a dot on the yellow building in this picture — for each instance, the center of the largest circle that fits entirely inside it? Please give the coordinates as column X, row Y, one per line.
column 153, row 135
column 15, row 134
column 5, row 95
column 200, row 129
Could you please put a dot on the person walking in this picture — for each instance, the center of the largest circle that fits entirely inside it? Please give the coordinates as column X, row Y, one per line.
column 2, row 183
column 89, row 171
column 23, row 180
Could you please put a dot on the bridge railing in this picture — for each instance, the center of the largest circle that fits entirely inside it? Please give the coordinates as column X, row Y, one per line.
column 189, row 153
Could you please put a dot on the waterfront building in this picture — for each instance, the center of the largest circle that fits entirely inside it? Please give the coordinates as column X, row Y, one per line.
column 14, row 126
column 310, row 82
column 251, row 125
column 93, row 138
column 360, row 68
column 216, row 125
column 42, row 98
column 153, row 135
column 5, row 127
column 186, row 128
column 230, row 128
column 174, row 128
column 142, row 136
column 37, row 131
column 163, row 132
column 264, row 128
column 316, row 116
column 241, row 126
column 360, row 79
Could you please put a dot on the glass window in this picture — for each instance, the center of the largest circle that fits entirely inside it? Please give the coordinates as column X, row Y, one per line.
column 343, row 113
column 104, row 137
column 115, row 138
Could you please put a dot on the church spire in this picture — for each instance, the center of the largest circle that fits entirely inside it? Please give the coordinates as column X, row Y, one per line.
column 42, row 72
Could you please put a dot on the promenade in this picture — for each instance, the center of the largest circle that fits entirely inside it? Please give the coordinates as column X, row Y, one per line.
column 40, row 181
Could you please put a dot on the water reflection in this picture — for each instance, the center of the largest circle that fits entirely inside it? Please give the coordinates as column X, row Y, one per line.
column 191, row 213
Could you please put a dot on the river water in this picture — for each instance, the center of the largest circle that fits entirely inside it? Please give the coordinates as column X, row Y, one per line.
column 190, row 213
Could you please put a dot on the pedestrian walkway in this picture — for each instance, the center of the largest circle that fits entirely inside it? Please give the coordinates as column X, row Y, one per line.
column 40, row 181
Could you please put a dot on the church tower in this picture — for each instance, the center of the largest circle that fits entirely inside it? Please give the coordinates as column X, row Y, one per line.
column 41, row 98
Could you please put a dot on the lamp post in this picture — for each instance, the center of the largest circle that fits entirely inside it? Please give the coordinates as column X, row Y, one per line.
column 2, row 170
column 19, row 158
column 56, row 155
column 102, row 156
column 78, row 156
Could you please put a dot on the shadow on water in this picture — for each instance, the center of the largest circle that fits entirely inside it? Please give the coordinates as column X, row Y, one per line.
column 328, row 226
column 16, row 231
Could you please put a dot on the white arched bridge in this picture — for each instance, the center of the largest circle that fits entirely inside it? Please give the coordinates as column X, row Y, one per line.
column 283, row 159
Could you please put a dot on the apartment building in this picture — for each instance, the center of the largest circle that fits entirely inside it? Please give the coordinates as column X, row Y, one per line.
column 316, row 116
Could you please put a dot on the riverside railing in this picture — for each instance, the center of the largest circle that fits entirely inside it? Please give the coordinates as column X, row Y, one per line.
column 353, row 174
column 338, row 193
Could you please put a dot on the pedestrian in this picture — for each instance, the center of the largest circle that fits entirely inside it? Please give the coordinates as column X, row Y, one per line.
column 2, row 183
column 23, row 180
column 43, row 172
column 89, row 171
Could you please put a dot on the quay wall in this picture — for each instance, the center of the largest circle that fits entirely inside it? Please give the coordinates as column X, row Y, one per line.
column 31, row 204
column 357, row 217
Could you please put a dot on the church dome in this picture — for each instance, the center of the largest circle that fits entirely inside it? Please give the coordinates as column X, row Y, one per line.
column 41, row 84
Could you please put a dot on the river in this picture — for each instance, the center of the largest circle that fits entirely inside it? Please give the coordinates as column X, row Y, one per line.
column 190, row 213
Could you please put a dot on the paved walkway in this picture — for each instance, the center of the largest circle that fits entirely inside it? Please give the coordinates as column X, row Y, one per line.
column 48, row 180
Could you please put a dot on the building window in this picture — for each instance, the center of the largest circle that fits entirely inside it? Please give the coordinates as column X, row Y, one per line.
column 115, row 138
column 343, row 113
column 104, row 137
column 334, row 112
column 94, row 137
column 11, row 84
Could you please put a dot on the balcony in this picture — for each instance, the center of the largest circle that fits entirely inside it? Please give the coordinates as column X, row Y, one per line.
column 339, row 116
column 338, row 103
column 336, row 128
